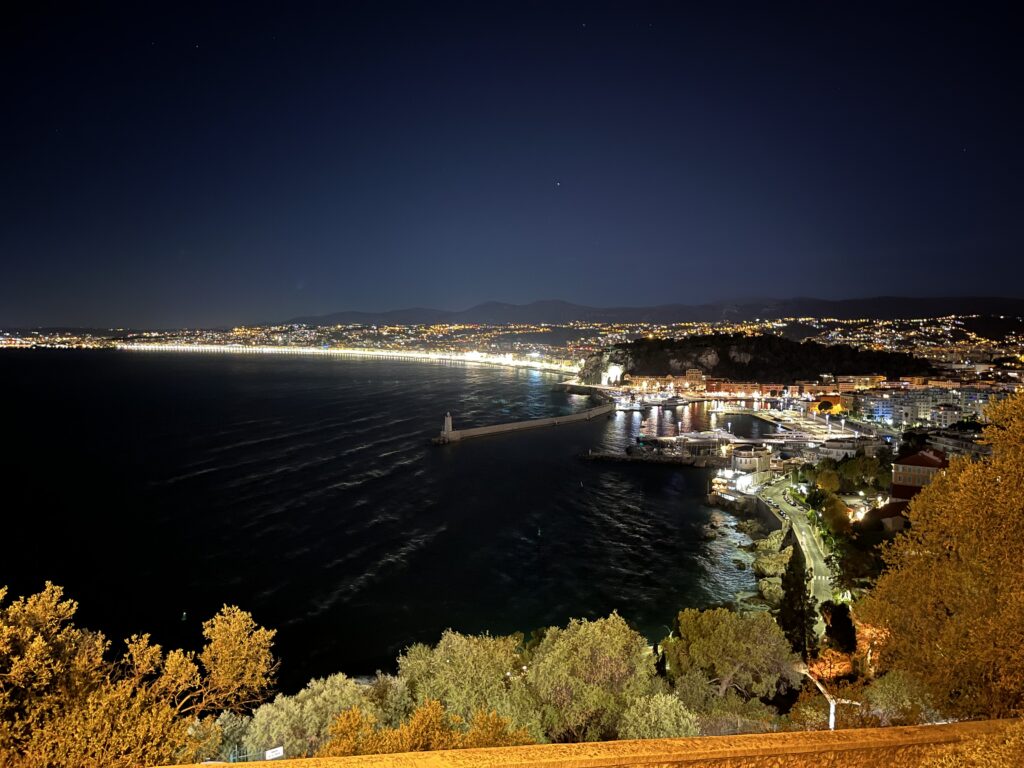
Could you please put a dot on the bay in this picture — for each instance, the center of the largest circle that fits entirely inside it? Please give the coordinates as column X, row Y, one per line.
column 156, row 487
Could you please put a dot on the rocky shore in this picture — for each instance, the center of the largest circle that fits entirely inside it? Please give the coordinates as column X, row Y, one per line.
column 770, row 561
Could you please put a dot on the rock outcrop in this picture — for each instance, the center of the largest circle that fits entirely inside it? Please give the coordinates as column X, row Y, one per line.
column 771, row 590
column 772, row 563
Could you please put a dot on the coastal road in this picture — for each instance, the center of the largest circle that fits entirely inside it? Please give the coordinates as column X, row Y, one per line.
column 814, row 552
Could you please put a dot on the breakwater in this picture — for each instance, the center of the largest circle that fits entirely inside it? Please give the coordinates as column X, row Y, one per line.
column 451, row 435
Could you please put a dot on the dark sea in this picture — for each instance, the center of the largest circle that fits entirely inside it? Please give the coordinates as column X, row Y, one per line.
column 158, row 486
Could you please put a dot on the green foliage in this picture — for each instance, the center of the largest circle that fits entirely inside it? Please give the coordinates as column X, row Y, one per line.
column 836, row 516
column 300, row 723
column 659, row 716
column 828, row 480
column 390, row 700
column 891, row 700
column 233, row 728
column 471, row 673
column 883, row 480
column 898, row 698
column 798, row 611
column 885, row 457
column 750, row 358
column 816, row 498
column 859, row 472
column 747, row 653
column 721, row 715
column 587, row 674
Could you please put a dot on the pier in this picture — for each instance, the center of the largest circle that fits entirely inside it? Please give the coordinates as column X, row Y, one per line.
column 683, row 460
column 450, row 435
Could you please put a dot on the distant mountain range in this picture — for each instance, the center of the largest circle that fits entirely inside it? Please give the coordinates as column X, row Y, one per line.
column 553, row 311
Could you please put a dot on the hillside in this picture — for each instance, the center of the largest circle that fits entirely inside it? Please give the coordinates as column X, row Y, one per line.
column 553, row 311
column 749, row 358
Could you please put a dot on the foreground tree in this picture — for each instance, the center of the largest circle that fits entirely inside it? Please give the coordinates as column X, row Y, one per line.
column 587, row 674
column 891, row 700
column 747, row 653
column 62, row 703
column 798, row 614
column 836, row 516
column 300, row 723
column 828, row 481
column 473, row 673
column 661, row 716
column 721, row 715
column 46, row 662
column 389, row 699
column 951, row 599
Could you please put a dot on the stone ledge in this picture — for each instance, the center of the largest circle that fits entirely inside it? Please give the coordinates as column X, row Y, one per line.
column 889, row 747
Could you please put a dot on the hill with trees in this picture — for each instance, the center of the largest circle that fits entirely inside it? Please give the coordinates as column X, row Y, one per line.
column 556, row 311
column 749, row 358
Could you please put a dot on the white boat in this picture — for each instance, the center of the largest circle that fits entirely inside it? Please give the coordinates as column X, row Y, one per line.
column 628, row 405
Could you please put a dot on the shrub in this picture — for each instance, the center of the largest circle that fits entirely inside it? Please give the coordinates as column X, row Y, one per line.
column 661, row 716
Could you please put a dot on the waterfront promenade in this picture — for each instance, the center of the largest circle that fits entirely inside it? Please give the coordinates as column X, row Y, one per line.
column 484, row 358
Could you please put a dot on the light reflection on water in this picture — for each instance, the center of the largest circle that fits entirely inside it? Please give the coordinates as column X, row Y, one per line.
column 307, row 491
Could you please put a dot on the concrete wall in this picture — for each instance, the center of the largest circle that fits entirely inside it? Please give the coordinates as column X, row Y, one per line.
column 771, row 519
column 903, row 747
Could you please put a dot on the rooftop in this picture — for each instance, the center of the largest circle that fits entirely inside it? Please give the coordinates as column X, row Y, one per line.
column 925, row 458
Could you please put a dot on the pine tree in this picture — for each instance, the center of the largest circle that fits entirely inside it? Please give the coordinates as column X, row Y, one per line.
column 798, row 612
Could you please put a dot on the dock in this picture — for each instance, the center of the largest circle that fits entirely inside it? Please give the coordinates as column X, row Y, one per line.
column 656, row 458
column 451, row 435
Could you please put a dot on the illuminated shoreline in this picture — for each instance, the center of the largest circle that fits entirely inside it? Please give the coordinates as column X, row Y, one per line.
column 485, row 358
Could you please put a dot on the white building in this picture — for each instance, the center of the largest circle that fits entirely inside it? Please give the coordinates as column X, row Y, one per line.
column 755, row 463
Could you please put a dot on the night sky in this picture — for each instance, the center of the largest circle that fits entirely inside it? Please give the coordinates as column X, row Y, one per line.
column 167, row 166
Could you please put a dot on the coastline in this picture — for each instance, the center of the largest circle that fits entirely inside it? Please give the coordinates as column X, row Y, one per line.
column 420, row 355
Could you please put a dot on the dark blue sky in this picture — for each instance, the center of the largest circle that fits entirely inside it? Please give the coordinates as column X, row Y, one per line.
column 223, row 164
